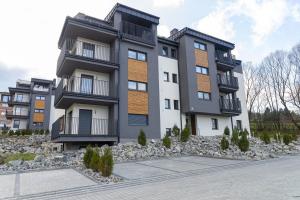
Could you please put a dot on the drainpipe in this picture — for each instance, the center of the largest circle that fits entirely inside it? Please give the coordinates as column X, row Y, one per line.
column 231, row 125
column 118, row 86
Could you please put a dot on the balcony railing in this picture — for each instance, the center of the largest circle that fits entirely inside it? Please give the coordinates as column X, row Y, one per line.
column 71, row 128
column 228, row 81
column 17, row 112
column 230, row 105
column 137, row 32
column 88, row 50
column 224, row 57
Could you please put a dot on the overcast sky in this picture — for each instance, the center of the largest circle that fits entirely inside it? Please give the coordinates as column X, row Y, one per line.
column 30, row 28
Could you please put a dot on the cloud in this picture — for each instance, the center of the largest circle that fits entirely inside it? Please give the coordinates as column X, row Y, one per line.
column 163, row 30
column 265, row 18
column 296, row 12
column 9, row 75
column 167, row 3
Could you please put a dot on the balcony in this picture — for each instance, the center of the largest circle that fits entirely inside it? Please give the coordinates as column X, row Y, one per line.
column 71, row 129
column 76, row 54
column 17, row 113
column 83, row 90
column 224, row 61
column 19, row 101
column 227, row 83
column 230, row 106
column 137, row 32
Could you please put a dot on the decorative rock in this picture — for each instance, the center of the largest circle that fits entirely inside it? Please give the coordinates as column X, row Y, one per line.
column 15, row 163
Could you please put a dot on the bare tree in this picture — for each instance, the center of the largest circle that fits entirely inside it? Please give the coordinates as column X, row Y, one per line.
column 294, row 81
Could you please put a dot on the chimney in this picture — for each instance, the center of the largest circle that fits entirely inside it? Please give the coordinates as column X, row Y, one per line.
column 173, row 31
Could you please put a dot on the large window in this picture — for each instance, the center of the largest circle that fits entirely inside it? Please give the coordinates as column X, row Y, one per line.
column 165, row 51
column 137, row 55
column 167, row 104
column 173, row 53
column 16, row 124
column 137, row 120
column 166, row 76
column 19, row 98
column 40, row 98
column 86, row 84
column 214, row 124
column 204, row 95
column 202, row 70
column 5, row 98
column 199, row 45
column 88, row 50
column 139, row 86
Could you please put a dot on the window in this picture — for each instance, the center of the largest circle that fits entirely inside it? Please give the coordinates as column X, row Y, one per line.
column 167, row 104
column 168, row 131
column 204, row 95
column 200, row 46
column 86, row 84
column 16, row 124
column 40, row 98
column 38, row 110
column 19, row 98
column 239, row 124
column 139, row 86
column 88, row 50
column 137, row 120
column 174, row 78
column 202, row 70
column 136, row 55
column 132, row 85
column 214, row 124
column 166, row 76
column 5, row 98
column 37, row 123
column 18, row 111
column 165, row 51
column 176, row 105
column 173, row 53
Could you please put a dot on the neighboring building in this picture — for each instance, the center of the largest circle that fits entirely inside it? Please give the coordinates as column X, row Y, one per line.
column 4, row 107
column 118, row 77
column 31, row 104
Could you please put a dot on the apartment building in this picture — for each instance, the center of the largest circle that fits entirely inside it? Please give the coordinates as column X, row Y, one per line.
column 31, row 104
column 4, row 107
column 118, row 77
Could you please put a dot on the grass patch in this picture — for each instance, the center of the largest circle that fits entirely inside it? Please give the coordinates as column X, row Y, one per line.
column 20, row 156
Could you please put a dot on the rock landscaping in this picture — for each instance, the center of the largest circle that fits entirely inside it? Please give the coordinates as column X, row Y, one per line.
column 48, row 155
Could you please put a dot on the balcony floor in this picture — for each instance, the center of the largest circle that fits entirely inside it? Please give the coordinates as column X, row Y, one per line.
column 90, row 138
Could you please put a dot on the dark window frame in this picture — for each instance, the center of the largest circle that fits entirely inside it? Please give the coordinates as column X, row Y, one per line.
column 165, row 51
column 137, row 88
column 18, row 125
column 239, row 125
column 146, row 120
column 168, row 77
column 214, row 124
column 201, row 68
column 197, row 45
column 43, row 98
column 203, row 93
column 167, row 104
column 176, row 104
column 137, row 53
column 175, row 77
column 173, row 53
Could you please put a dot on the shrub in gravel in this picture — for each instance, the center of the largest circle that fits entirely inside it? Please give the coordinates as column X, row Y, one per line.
column 47, row 132
column 11, row 132
column 235, row 136
column 106, row 163
column 95, row 160
column 2, row 159
column 294, row 137
column 36, row 132
column 265, row 137
column 224, row 143
column 142, row 140
column 167, row 141
column 226, row 131
column 176, row 130
column 185, row 134
column 277, row 137
column 286, row 139
column 88, row 156
column 246, row 132
column 17, row 132
column 41, row 132
column 244, row 142
column 4, row 132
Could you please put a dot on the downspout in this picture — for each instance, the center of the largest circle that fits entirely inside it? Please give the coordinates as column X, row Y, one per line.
column 231, row 124
column 118, row 86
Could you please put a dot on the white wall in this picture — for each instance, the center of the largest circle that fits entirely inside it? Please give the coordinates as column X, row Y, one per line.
column 241, row 95
column 204, row 125
column 168, row 90
column 23, row 124
column 102, row 50
column 54, row 113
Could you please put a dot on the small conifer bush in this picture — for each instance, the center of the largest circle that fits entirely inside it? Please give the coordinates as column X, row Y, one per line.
column 226, row 131
column 88, row 156
column 224, row 143
column 185, row 134
column 286, row 139
column 167, row 141
column 95, row 160
column 176, row 130
column 266, row 138
column 106, row 163
column 142, row 140
column 235, row 136
column 244, row 142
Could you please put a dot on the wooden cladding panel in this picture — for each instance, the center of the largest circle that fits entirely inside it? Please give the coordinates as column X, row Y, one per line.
column 39, row 104
column 38, row 117
column 201, row 58
column 137, row 102
column 137, row 70
column 203, row 83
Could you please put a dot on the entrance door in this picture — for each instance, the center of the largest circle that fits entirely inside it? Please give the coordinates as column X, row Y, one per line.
column 85, row 122
column 193, row 124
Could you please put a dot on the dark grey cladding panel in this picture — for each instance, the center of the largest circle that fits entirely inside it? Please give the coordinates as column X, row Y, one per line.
column 166, row 41
column 131, row 11
column 153, row 128
column 188, row 86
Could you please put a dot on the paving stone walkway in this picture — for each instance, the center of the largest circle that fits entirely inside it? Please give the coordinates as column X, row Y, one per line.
column 177, row 178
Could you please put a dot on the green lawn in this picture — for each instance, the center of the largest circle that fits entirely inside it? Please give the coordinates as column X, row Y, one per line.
column 20, row 156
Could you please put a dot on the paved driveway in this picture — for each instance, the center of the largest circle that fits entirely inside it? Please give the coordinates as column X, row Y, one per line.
column 179, row 178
